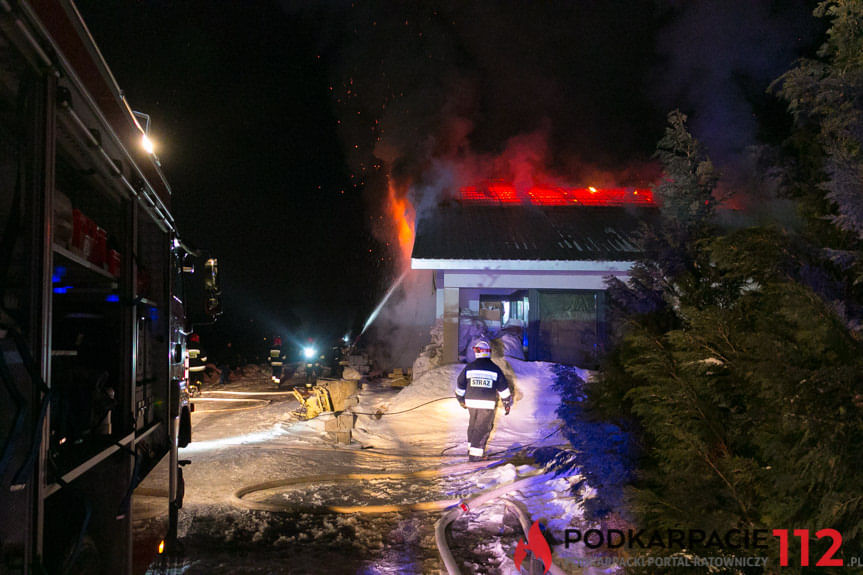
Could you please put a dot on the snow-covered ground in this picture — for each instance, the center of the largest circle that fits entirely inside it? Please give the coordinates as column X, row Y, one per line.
column 268, row 492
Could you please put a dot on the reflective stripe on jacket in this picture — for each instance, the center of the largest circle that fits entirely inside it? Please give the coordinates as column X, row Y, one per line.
column 480, row 383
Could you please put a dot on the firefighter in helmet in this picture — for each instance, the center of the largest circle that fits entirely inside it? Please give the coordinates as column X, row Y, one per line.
column 277, row 360
column 478, row 386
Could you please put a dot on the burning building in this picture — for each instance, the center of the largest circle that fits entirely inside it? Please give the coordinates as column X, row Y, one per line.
column 535, row 261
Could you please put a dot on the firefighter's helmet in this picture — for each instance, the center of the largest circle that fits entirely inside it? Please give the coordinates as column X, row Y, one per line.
column 481, row 349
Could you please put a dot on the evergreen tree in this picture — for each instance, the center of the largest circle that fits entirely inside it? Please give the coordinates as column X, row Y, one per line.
column 736, row 377
column 825, row 97
column 687, row 190
column 736, row 366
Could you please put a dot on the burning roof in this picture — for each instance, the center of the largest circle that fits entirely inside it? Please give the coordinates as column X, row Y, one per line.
column 507, row 194
column 489, row 230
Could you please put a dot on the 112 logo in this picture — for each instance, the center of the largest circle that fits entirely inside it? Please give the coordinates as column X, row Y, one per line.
column 827, row 560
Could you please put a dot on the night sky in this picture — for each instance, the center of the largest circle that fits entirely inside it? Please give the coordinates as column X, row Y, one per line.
column 282, row 127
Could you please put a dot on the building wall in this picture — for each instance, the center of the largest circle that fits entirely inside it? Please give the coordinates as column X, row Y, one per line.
column 567, row 326
column 450, row 325
column 552, row 335
column 593, row 280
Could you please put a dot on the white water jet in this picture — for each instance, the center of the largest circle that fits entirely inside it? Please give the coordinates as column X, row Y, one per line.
column 389, row 293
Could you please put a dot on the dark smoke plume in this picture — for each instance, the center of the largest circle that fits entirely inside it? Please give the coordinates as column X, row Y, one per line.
column 434, row 96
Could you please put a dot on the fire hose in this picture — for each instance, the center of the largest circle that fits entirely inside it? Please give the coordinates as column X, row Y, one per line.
column 442, row 524
column 237, row 498
column 258, row 404
column 225, row 392
column 453, row 508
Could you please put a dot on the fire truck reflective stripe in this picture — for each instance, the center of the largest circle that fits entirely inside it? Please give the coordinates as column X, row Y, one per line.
column 475, row 451
column 480, row 403
column 505, row 393
column 459, row 392
column 480, row 374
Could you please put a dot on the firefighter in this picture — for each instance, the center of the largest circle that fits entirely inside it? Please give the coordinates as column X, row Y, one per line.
column 309, row 353
column 197, row 364
column 338, row 359
column 277, row 360
column 478, row 386
column 319, row 366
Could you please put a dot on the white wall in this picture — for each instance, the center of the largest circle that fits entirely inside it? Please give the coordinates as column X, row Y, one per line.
column 464, row 286
column 588, row 280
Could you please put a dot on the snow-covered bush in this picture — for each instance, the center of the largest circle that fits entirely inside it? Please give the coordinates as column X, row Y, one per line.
column 601, row 451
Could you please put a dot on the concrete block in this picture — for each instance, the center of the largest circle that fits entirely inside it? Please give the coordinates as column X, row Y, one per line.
column 343, row 437
column 339, row 390
column 352, row 401
column 340, row 423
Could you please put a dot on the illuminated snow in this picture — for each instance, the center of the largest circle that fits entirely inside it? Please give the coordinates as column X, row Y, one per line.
column 269, row 441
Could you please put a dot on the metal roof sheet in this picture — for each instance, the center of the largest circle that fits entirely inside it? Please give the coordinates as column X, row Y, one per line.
column 578, row 233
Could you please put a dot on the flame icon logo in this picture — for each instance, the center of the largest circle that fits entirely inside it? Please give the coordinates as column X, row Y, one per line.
column 536, row 544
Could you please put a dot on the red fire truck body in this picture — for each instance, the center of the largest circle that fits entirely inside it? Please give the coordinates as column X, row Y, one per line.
column 98, row 295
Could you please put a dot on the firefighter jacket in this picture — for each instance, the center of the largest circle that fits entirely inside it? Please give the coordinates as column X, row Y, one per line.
column 197, row 360
column 480, row 383
column 276, row 358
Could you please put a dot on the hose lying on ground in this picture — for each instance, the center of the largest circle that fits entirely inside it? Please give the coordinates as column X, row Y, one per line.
column 237, row 498
column 524, row 519
column 455, row 507
column 380, row 412
column 442, row 524
column 226, row 392
column 259, row 403
column 517, row 447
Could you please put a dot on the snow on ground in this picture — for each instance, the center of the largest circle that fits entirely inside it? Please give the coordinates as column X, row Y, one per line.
column 442, row 425
column 250, row 434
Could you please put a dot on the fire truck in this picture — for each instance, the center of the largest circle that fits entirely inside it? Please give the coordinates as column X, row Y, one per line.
column 98, row 293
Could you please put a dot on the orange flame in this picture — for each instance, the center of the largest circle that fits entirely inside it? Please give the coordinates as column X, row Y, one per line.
column 403, row 214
